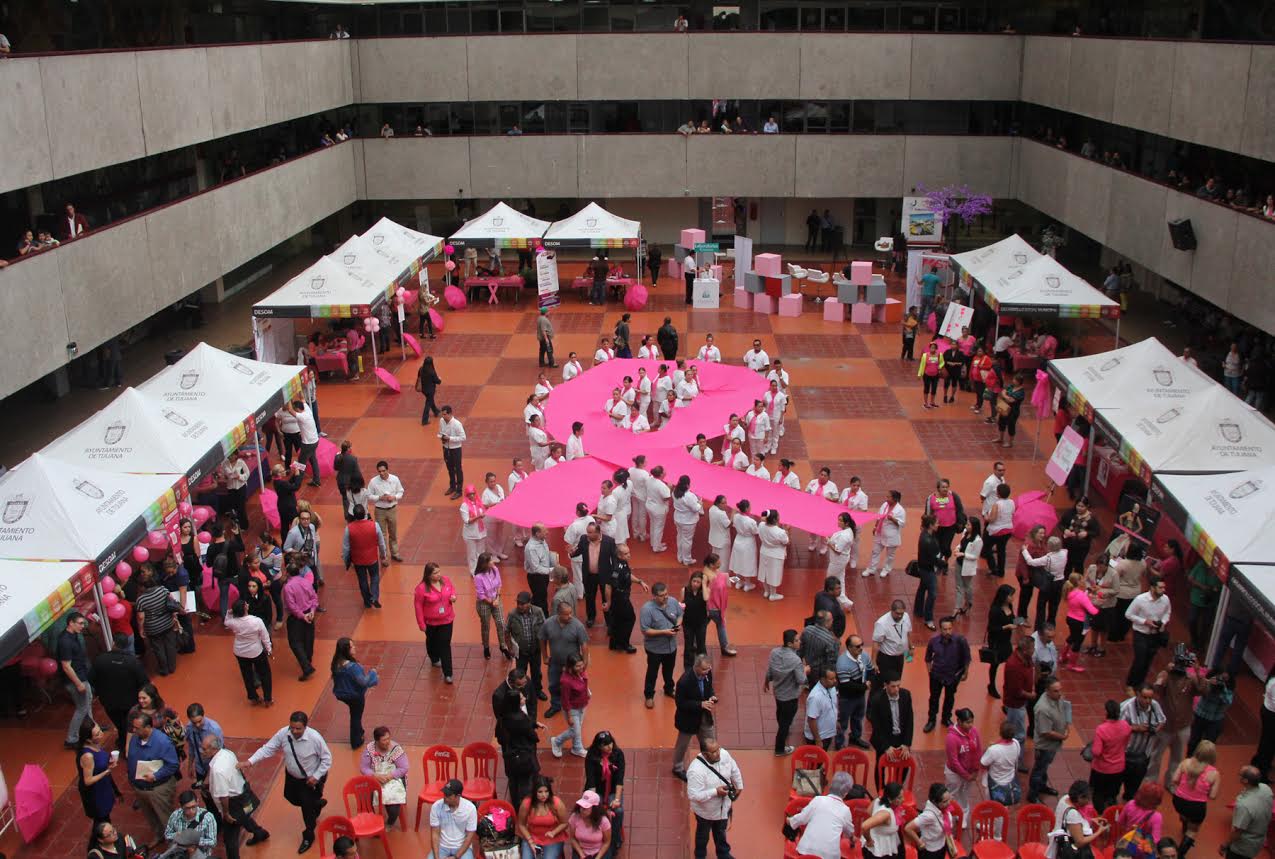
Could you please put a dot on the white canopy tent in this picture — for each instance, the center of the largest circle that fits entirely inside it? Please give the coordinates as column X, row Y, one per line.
column 1144, row 374
column 500, row 226
column 593, row 227
column 325, row 288
column 995, row 261
column 370, row 263
column 393, row 238
column 142, row 434
column 35, row 594
column 211, row 379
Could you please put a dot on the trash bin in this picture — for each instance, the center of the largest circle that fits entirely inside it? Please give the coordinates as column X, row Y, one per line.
column 172, row 357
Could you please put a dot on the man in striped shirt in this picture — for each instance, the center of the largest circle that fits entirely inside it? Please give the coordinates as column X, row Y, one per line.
column 157, row 621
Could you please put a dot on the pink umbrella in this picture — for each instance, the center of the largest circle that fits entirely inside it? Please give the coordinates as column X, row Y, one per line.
column 436, row 318
column 635, row 298
column 270, row 506
column 388, row 378
column 455, row 297
column 1032, row 509
column 326, row 453
column 32, row 802
column 413, row 344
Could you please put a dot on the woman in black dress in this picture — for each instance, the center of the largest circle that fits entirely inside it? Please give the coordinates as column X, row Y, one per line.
column 1079, row 529
column 427, row 383
column 694, row 618
column 1000, row 633
column 622, row 617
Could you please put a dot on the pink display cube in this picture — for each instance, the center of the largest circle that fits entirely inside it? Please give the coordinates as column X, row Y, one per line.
column 769, row 265
column 860, row 273
column 763, row 303
column 715, row 272
column 790, row 305
column 743, row 299
column 861, row 314
column 692, row 237
column 674, row 268
column 834, row 311
column 891, row 311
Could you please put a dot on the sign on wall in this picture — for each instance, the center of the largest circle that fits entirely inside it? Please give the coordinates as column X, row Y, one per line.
column 921, row 225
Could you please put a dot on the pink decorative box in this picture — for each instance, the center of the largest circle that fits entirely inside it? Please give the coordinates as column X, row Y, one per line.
column 763, row 303
column 883, row 312
column 743, row 299
column 790, row 305
column 769, row 265
column 690, row 238
column 834, row 311
column 861, row 273
column 674, row 268
column 861, row 314
column 715, row 271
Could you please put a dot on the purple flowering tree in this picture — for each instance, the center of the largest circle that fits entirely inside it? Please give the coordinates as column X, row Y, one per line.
column 955, row 205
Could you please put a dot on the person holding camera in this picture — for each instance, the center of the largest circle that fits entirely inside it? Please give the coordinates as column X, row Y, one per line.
column 713, row 784
column 1146, row 720
column 1149, row 616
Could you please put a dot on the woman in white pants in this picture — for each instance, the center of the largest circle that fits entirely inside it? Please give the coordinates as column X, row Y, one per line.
column 719, row 530
column 623, row 492
column 687, row 511
column 518, row 475
column 841, row 546
column 770, row 562
column 657, row 498
column 493, row 494
column 474, row 528
column 637, row 479
column 743, row 552
column 538, row 441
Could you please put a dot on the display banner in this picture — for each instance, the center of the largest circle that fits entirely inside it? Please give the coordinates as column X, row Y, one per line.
column 957, row 318
column 1064, row 457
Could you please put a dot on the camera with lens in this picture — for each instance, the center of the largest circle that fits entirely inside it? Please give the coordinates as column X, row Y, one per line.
column 731, row 792
column 1183, row 658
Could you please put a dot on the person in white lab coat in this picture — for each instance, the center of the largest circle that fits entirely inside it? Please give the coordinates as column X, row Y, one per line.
column 774, row 548
column 825, row 488
column 743, row 552
column 497, row 532
column 516, row 476
column 538, row 441
column 638, row 476
column 575, row 443
column 776, row 402
column 841, row 546
column 786, row 476
column 607, row 509
column 733, row 431
column 623, row 494
column 855, row 499
column 758, row 425
column 473, row 517
column 719, row 539
column 735, row 457
column 887, row 534
column 571, row 537
column 709, row 351
column 657, row 503
column 701, row 450
column 757, row 468
column 687, row 511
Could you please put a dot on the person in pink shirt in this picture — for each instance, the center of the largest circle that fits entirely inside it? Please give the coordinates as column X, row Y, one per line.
column 434, row 599
column 718, row 583
column 1080, row 608
column 1141, row 812
column 575, row 698
column 1106, row 772
column 964, row 748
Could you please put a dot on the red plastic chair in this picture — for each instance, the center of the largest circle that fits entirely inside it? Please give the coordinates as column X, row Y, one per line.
column 808, row 758
column 446, row 766
column 1034, row 823
column 985, row 842
column 853, row 761
column 335, row 826
column 367, row 813
column 903, row 771
column 482, row 785
column 860, row 810
column 483, row 809
column 796, row 804
column 1104, row 847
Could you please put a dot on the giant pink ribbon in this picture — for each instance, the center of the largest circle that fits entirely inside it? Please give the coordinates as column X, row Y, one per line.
column 549, row 497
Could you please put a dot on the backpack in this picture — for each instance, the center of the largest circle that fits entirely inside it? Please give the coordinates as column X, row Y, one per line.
column 1137, row 841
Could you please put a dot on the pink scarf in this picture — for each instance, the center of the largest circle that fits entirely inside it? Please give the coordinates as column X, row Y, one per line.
column 752, row 422
column 475, row 508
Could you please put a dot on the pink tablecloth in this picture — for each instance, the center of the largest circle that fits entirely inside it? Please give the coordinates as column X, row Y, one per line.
column 584, row 284
column 1025, row 360
column 332, row 361
column 494, row 285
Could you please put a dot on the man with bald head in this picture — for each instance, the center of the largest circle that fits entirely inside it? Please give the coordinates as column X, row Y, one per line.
column 1249, row 821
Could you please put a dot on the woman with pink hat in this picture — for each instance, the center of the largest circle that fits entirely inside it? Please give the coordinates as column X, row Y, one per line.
column 589, row 827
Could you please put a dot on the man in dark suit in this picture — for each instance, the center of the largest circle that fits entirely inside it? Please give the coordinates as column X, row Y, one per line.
column 596, row 552
column 696, row 706
column 829, row 600
column 117, row 676
column 346, row 466
column 666, row 336
column 890, row 714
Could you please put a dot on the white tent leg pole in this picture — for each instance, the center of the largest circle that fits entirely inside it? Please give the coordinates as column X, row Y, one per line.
column 1117, row 332
column 402, row 341
column 261, row 474
column 1093, row 433
column 1219, row 617
column 375, row 366
column 102, row 618
column 1036, row 446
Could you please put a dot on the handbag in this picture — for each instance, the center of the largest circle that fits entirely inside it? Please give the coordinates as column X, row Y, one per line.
column 1136, row 761
column 1137, row 842
column 1006, row 794
column 241, row 807
column 1087, row 752
column 394, row 791
column 913, row 569
column 807, row 782
column 987, row 655
column 1002, row 407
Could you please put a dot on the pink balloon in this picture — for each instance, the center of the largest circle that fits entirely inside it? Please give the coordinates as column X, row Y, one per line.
column 400, row 292
column 117, row 612
column 455, row 297
column 108, row 584
column 30, row 665
column 140, row 554
column 204, row 537
column 201, row 514
column 123, row 571
column 48, row 667
column 449, row 249
column 450, row 265
column 635, row 297
column 110, row 599
column 156, row 540
column 184, row 508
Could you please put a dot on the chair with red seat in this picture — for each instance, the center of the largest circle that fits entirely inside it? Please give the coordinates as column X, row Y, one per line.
column 796, row 804
column 1034, row 822
column 488, row 806
column 1104, row 847
column 860, row 810
column 366, row 812
column 902, row 770
column 985, row 841
column 481, row 785
column 335, row 826
column 853, row 761
column 446, row 766
column 809, row 758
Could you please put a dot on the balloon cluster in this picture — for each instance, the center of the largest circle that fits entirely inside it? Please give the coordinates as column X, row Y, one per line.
column 371, row 324
column 400, row 292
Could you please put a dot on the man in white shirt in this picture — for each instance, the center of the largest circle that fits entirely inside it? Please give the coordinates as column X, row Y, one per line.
column 713, row 784
column 452, row 435
column 892, row 640
column 826, row 820
column 778, row 374
column 309, row 437
column 988, row 492
column 385, row 491
column 538, row 561
column 709, row 352
column 575, row 442
column 226, row 783
column 306, row 761
column 453, row 824
column 756, row 358
column 776, row 401
column 758, row 424
column 887, row 534
column 1149, row 614
column 572, row 368
column 571, row 537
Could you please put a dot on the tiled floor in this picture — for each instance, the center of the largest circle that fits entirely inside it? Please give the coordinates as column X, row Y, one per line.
column 855, row 408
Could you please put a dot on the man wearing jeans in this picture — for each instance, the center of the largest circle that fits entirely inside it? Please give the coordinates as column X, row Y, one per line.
column 713, row 783
column 562, row 638
column 363, row 547
column 785, row 675
column 660, row 619
column 1020, row 690
column 947, row 658
column 1053, row 725
column 74, row 662
column 452, row 435
column 854, row 670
